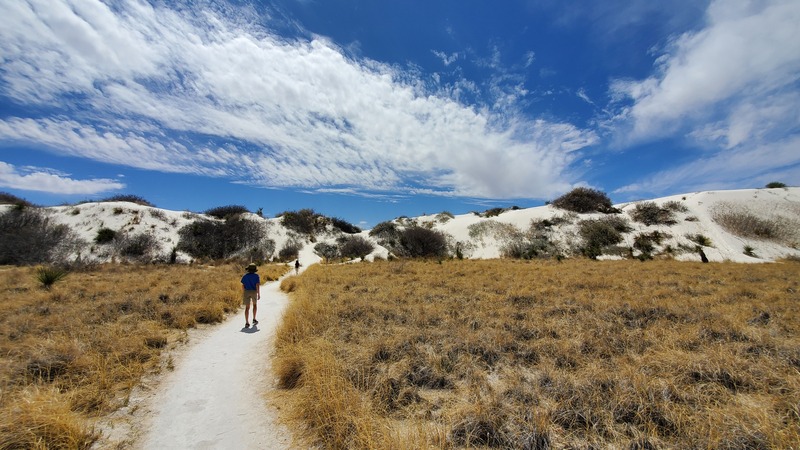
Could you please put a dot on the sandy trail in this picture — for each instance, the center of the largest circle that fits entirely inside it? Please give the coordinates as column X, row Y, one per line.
column 216, row 398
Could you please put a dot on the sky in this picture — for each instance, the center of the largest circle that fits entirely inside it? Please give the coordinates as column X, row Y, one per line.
column 368, row 110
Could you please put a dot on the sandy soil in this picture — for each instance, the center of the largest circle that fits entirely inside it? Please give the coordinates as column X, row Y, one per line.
column 217, row 395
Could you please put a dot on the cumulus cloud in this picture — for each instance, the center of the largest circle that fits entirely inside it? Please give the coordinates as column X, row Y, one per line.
column 741, row 61
column 187, row 90
column 730, row 90
column 52, row 181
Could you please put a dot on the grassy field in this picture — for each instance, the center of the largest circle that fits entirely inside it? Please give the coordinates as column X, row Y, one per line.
column 535, row 355
column 71, row 354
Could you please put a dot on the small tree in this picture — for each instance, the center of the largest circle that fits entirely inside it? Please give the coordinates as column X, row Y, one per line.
column 776, row 185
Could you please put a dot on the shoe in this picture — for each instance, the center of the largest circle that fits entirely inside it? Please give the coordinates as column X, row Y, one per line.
column 255, row 322
column 247, row 325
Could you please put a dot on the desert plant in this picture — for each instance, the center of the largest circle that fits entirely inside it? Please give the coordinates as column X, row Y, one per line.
column 27, row 236
column 743, row 223
column 775, row 185
column 140, row 247
column 444, row 217
column 699, row 239
column 750, row 251
column 128, row 198
column 676, row 206
column 356, row 247
column 327, row 251
column 649, row 213
column 105, row 235
column 223, row 212
column 493, row 212
column 10, row 199
column 224, row 239
column 290, row 250
column 598, row 234
column 304, row 221
column 422, row 242
column 584, row 200
column 344, row 226
column 48, row 276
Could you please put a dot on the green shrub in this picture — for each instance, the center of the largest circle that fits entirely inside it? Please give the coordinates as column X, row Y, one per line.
column 750, row 251
column 584, row 200
column 105, row 235
column 649, row 213
column 141, row 246
column 676, row 206
column 775, row 185
column 493, row 212
column 48, row 276
column 699, row 239
column 597, row 235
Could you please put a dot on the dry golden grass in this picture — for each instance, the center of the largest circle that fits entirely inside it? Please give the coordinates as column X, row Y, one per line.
column 662, row 354
column 71, row 354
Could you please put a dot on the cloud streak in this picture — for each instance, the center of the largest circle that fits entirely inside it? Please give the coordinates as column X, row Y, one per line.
column 48, row 180
column 184, row 90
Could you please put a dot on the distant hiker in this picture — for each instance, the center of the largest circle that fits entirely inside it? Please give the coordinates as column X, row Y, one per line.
column 297, row 267
column 703, row 256
column 251, row 285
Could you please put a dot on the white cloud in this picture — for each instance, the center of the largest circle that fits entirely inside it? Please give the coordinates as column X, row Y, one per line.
column 164, row 90
column 446, row 59
column 743, row 60
column 48, row 180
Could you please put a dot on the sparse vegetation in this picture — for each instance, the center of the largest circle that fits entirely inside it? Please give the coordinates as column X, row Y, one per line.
column 73, row 353
column 290, row 250
column 28, row 236
column 236, row 235
column 649, row 213
column 327, row 251
column 139, row 247
column 224, row 212
column 305, row 221
column 584, row 200
column 746, row 224
column 775, row 185
column 128, row 198
column 700, row 239
column 599, row 234
column 542, row 355
column 344, row 226
column 10, row 199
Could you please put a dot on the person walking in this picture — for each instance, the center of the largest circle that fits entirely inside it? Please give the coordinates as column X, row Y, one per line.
column 251, row 287
column 297, row 267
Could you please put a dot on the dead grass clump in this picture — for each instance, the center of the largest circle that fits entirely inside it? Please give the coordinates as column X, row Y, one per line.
column 73, row 353
column 43, row 419
column 538, row 354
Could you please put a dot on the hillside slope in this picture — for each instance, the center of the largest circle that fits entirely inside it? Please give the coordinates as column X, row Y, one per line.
column 751, row 225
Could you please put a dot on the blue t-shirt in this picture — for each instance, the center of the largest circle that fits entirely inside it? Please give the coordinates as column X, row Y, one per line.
column 251, row 281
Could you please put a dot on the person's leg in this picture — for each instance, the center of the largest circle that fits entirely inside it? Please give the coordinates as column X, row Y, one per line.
column 255, row 308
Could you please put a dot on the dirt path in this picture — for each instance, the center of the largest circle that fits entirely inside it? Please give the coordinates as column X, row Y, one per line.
column 216, row 397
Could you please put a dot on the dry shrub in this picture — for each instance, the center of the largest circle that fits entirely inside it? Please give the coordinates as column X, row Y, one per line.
column 745, row 224
column 289, row 284
column 539, row 354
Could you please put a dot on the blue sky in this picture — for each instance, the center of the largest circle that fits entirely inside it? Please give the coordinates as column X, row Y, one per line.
column 368, row 110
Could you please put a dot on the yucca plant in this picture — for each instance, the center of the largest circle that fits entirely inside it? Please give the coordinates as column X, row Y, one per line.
column 48, row 276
